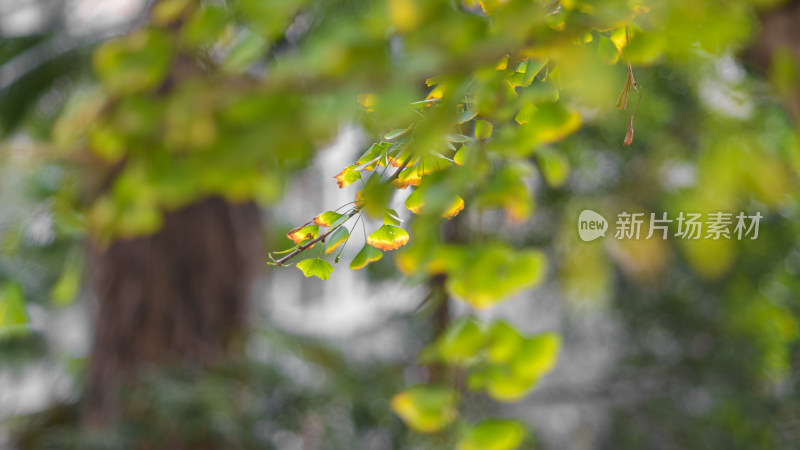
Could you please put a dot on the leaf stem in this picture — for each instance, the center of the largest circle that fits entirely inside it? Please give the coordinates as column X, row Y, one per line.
column 307, row 245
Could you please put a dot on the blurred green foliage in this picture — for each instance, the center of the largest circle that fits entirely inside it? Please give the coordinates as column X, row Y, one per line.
column 478, row 108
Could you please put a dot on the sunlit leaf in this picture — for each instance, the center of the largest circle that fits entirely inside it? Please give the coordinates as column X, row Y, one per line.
column 327, row 218
column 390, row 217
column 367, row 255
column 348, row 176
column 316, row 267
column 303, row 233
column 388, row 237
column 395, row 134
column 426, row 409
column 416, row 203
column 336, row 239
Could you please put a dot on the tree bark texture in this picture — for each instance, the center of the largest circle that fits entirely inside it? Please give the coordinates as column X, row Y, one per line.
column 176, row 297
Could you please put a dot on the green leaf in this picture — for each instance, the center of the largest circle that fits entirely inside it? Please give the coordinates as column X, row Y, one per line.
column 495, row 272
column 426, row 409
column 493, row 434
column 390, row 217
column 462, row 341
column 373, row 152
column 554, row 166
column 458, row 138
column 388, row 237
column 536, row 356
column 483, row 129
column 137, row 62
column 607, row 51
column 504, row 341
column 316, row 267
column 396, row 134
column 68, row 285
column 467, row 115
column 336, row 239
column 416, row 203
column 348, row 176
column 327, row 218
column 367, row 255
column 13, row 316
column 205, row 26
column 303, row 233
column 533, row 67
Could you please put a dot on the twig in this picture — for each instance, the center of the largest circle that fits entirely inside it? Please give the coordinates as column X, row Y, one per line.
column 307, row 245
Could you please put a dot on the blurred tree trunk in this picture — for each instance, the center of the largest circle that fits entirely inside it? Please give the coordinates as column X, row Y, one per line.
column 780, row 39
column 178, row 296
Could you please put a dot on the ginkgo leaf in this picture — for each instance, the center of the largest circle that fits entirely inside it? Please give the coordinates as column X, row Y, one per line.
column 303, row 233
column 396, row 134
column 410, row 176
column 316, row 267
column 536, row 356
column 367, row 255
column 388, row 237
column 348, row 176
column 367, row 101
column 467, row 115
column 336, row 239
column 504, row 341
column 554, row 166
column 483, row 129
column 458, row 138
column 416, row 201
column 390, row 217
column 493, row 434
column 13, row 316
column 373, row 152
column 327, row 218
column 462, row 341
column 426, row 409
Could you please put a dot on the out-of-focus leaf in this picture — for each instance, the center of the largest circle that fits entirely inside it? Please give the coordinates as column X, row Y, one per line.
column 68, row 285
column 462, row 341
column 316, row 267
column 426, row 409
column 504, row 341
column 13, row 317
column 395, row 134
column 536, row 356
column 416, row 203
column 137, row 62
column 483, row 129
column 554, row 166
column 493, row 434
column 390, row 217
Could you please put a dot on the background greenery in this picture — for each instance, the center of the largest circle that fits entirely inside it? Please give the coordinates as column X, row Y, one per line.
column 506, row 105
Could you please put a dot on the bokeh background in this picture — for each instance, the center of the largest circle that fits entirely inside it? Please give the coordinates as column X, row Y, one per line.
column 670, row 344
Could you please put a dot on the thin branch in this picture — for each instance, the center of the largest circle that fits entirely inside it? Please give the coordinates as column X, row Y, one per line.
column 307, row 245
